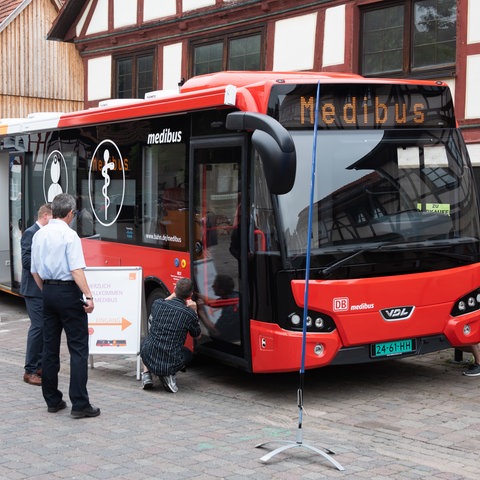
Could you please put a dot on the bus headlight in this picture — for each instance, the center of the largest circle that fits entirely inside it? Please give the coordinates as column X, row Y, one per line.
column 467, row 330
column 318, row 349
column 467, row 304
column 319, row 323
column 295, row 319
column 316, row 322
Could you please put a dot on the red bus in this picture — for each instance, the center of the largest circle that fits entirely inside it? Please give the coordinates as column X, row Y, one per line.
column 213, row 182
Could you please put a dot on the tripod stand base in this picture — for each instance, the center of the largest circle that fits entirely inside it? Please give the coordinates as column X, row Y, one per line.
column 290, row 444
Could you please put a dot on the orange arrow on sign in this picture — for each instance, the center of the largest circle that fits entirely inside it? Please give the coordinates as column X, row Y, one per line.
column 124, row 323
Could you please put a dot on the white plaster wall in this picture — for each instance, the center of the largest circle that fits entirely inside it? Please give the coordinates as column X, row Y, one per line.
column 472, row 97
column 153, row 9
column 194, row 4
column 99, row 78
column 451, row 84
column 124, row 13
column 474, row 153
column 172, row 66
column 99, row 21
column 294, row 43
column 334, row 36
column 473, row 32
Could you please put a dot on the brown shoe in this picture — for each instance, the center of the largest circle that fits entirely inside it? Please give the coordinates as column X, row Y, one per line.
column 32, row 379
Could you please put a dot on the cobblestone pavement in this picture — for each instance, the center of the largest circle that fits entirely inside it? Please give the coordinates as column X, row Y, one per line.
column 414, row 418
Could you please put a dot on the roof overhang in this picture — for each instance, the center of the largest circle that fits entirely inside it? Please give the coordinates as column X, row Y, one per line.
column 65, row 20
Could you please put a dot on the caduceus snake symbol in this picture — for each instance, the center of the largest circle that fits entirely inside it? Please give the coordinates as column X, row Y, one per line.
column 108, row 166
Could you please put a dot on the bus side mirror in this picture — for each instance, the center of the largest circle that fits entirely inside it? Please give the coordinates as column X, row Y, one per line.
column 274, row 144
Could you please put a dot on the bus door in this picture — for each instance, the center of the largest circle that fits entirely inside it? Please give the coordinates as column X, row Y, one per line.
column 12, row 172
column 5, row 226
column 216, row 222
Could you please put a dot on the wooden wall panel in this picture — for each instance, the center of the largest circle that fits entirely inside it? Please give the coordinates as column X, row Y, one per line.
column 36, row 74
column 20, row 107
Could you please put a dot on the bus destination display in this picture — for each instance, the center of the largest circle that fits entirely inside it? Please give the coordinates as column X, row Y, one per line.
column 362, row 106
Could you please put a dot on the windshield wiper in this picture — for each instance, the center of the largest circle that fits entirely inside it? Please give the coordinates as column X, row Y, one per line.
column 334, row 266
column 401, row 245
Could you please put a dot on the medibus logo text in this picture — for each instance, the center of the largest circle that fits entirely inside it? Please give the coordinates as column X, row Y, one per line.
column 166, row 136
column 342, row 304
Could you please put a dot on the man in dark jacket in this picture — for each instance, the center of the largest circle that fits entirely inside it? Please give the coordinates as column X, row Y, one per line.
column 163, row 352
column 33, row 301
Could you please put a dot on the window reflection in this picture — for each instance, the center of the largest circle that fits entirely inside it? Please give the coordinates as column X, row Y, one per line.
column 164, row 196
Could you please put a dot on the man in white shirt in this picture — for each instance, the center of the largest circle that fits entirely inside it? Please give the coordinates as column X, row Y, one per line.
column 58, row 269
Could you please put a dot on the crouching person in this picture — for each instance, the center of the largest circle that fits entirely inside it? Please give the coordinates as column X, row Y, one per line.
column 163, row 352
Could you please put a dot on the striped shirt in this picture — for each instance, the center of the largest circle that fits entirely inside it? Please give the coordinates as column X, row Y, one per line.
column 170, row 321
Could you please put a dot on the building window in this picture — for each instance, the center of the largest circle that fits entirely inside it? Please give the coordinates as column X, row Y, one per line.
column 228, row 53
column 244, row 53
column 409, row 37
column 134, row 75
column 207, row 58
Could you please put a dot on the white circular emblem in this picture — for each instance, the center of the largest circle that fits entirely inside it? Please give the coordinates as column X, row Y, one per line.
column 52, row 175
column 108, row 156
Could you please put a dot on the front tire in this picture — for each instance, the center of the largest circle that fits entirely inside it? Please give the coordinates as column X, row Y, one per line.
column 155, row 294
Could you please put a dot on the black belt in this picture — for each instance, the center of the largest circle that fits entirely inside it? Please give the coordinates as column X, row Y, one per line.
column 59, row 282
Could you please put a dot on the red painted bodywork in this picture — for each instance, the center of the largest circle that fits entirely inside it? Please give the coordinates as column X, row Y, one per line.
column 432, row 294
column 165, row 265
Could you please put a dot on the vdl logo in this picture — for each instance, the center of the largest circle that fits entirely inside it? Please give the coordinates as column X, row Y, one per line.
column 107, row 161
column 397, row 313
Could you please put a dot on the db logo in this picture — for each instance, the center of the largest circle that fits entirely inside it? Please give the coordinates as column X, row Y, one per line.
column 340, row 304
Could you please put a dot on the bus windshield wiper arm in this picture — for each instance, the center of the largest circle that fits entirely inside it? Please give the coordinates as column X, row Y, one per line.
column 334, row 266
column 328, row 270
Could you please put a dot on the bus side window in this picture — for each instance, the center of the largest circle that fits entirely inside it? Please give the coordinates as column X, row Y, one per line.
column 165, row 201
column 264, row 233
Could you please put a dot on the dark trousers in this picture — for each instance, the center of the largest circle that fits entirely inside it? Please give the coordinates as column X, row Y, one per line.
column 187, row 356
column 63, row 310
column 33, row 356
column 172, row 370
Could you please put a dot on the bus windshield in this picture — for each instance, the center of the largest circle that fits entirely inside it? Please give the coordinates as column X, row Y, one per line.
column 382, row 190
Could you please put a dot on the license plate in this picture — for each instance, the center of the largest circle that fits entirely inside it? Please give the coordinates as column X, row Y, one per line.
column 398, row 347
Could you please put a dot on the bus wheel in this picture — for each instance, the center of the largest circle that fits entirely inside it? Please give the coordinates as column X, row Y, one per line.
column 155, row 294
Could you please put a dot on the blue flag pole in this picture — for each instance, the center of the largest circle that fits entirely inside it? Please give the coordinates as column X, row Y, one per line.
column 299, row 437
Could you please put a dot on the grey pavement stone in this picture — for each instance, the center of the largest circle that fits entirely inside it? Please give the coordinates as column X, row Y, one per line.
column 415, row 418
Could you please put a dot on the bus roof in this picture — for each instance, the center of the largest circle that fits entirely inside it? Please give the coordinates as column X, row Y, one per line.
column 252, row 78
column 121, row 109
column 245, row 90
